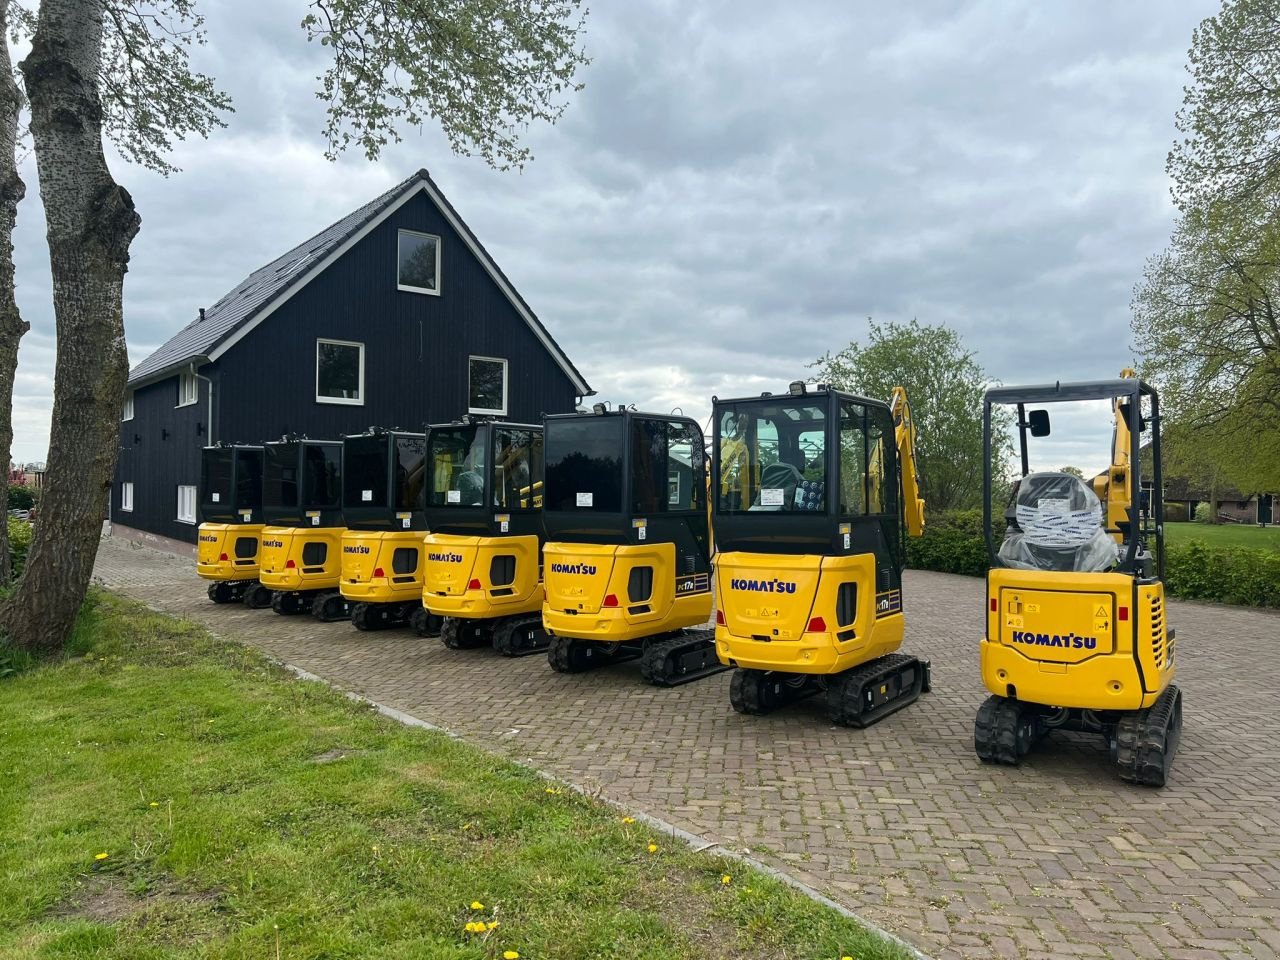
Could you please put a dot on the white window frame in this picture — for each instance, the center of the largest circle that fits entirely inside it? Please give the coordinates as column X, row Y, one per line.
column 439, row 246
column 191, row 516
column 345, row 401
column 505, row 370
column 184, row 379
column 127, row 413
column 126, row 496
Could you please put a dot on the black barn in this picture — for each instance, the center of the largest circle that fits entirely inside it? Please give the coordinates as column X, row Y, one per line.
column 394, row 316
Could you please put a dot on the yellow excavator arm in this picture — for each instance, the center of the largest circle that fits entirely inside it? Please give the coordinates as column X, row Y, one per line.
column 1115, row 487
column 904, row 429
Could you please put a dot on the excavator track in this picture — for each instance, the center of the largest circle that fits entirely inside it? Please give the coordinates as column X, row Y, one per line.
column 330, row 606
column 256, row 597
column 871, row 691
column 758, row 692
column 288, row 604
column 1146, row 740
column 458, row 634
column 425, row 623
column 680, row 659
column 571, row 655
column 227, row 591
column 520, row 636
column 381, row 616
column 1005, row 731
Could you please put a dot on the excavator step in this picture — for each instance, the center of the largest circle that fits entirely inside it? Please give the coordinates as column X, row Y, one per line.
column 871, row 691
column 680, row 659
column 1146, row 740
column 758, row 692
column 520, row 636
column 1005, row 731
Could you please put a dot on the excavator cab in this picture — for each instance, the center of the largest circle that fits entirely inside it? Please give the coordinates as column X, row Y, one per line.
column 230, row 520
column 301, row 559
column 483, row 572
column 383, row 474
column 628, row 558
column 1076, row 632
column 815, row 493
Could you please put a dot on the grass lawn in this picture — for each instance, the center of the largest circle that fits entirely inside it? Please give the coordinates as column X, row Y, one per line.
column 1224, row 534
column 164, row 794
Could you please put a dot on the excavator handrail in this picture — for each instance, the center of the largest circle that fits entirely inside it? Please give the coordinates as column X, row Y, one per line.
column 904, row 429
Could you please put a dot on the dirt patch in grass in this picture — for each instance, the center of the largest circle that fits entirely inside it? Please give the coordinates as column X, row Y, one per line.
column 336, row 753
column 174, row 914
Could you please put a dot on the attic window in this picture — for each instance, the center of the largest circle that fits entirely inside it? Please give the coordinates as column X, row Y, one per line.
column 418, row 262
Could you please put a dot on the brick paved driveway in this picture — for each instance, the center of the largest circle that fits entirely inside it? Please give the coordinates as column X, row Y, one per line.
column 900, row 822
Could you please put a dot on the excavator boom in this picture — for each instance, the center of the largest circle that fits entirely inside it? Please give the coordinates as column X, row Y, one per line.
column 905, row 437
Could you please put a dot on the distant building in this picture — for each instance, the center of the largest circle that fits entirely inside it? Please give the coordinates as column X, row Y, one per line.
column 395, row 316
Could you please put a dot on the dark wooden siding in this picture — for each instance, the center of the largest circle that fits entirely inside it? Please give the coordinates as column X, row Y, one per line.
column 416, row 352
column 416, row 345
column 160, row 449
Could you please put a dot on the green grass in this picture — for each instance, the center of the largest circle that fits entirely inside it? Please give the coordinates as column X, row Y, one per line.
column 1224, row 534
column 246, row 814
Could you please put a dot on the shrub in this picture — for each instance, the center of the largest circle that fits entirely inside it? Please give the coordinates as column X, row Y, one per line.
column 21, row 498
column 1203, row 514
column 19, row 543
column 952, row 543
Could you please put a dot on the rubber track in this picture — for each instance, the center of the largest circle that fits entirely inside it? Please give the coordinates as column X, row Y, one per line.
column 998, row 735
column 330, row 607
column 571, row 655
column 758, row 692
column 423, row 624
column 509, row 628
column 458, row 634
column 257, row 597
column 1146, row 740
column 845, row 704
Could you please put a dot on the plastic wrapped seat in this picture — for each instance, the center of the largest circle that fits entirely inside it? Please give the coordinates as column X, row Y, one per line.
column 1057, row 525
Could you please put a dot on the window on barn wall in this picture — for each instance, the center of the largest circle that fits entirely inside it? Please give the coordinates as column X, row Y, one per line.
column 188, row 389
column 126, row 496
column 487, row 385
column 339, row 372
column 186, row 504
column 128, row 407
column 417, row 262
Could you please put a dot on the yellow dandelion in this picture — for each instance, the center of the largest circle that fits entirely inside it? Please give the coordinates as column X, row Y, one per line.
column 554, row 791
column 628, row 819
column 653, row 848
column 846, row 958
column 154, row 804
column 492, row 925
column 466, row 826
column 100, row 856
column 510, row 955
column 477, row 905
column 475, row 927
column 726, row 880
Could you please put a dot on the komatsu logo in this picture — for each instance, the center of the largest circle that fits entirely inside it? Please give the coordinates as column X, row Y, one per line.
column 1068, row 641
column 583, row 569
column 273, row 543
column 445, row 557
column 764, row 586
column 207, row 538
column 355, row 548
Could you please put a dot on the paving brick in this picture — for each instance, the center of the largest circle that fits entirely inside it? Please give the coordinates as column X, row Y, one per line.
column 1056, row 858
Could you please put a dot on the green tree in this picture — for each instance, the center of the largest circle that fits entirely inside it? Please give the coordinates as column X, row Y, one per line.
column 21, row 498
column 945, row 386
column 1073, row 471
column 119, row 70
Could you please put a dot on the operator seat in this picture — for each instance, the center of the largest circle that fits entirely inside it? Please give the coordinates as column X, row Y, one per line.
column 1057, row 526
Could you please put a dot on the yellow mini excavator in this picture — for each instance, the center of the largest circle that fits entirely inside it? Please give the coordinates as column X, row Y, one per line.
column 382, row 552
column 815, row 492
column 301, row 559
column 1076, row 632
column 230, row 522
column 627, row 562
column 484, row 551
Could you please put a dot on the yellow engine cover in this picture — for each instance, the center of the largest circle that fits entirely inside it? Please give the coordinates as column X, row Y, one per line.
column 1068, row 639
column 301, row 558
column 769, row 602
column 382, row 566
column 228, row 551
column 581, row 579
column 505, row 571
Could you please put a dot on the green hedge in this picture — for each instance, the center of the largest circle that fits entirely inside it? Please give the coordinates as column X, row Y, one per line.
column 952, row 543
column 19, row 543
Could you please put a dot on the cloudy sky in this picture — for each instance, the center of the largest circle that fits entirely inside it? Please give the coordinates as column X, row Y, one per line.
column 740, row 185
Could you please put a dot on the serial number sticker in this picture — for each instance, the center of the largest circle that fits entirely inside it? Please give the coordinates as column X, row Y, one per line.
column 366, row 495
column 217, row 498
column 585, row 499
column 772, row 496
column 454, row 496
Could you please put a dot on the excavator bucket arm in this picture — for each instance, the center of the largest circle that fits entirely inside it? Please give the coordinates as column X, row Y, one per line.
column 905, row 436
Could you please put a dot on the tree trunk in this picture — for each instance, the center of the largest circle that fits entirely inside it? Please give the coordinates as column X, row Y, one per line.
column 12, row 326
column 91, row 225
